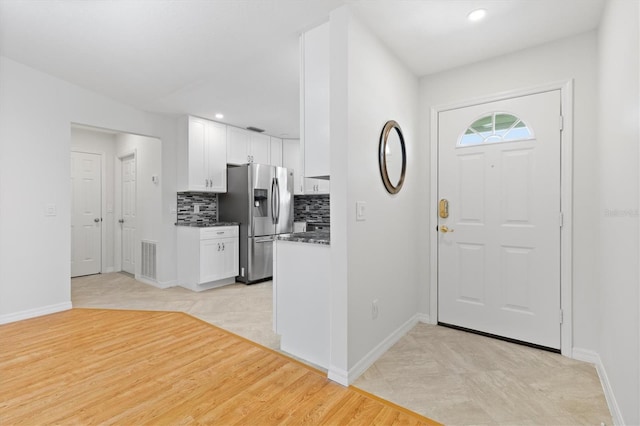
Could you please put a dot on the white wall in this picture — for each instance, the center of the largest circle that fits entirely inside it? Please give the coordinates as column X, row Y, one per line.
column 376, row 259
column 618, row 208
column 36, row 113
column 575, row 58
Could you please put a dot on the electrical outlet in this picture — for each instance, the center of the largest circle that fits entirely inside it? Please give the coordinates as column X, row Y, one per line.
column 374, row 309
column 306, row 208
column 50, row 210
column 361, row 211
column 196, row 208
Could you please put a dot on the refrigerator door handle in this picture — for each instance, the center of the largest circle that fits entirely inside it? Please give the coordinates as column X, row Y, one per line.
column 278, row 200
column 273, row 200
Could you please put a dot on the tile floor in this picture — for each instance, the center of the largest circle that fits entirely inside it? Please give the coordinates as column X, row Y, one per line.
column 448, row 375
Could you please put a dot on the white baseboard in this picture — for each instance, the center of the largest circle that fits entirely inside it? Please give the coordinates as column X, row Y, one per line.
column 161, row 285
column 368, row 360
column 424, row 318
column 593, row 357
column 167, row 284
column 36, row 312
column 338, row 375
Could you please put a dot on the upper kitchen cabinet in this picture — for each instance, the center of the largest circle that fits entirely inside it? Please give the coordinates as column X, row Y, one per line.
column 244, row 146
column 202, row 156
column 291, row 159
column 276, row 151
column 317, row 186
column 315, row 102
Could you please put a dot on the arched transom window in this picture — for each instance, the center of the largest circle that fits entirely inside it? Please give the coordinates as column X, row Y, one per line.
column 494, row 128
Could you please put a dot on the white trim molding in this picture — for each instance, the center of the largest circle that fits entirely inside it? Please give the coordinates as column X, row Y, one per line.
column 338, row 375
column 368, row 360
column 593, row 357
column 35, row 312
column 424, row 318
column 566, row 191
column 157, row 284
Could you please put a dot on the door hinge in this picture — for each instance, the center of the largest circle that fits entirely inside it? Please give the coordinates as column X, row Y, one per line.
column 561, row 316
column 561, row 122
column 561, row 219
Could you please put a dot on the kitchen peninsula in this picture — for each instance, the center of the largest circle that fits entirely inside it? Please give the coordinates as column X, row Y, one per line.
column 301, row 279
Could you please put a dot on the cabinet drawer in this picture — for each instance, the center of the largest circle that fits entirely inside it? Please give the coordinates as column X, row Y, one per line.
column 218, row 232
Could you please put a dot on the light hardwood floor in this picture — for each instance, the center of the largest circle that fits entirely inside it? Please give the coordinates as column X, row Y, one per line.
column 451, row 376
column 97, row 366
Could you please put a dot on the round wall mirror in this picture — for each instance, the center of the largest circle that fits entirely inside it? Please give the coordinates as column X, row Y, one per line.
column 392, row 157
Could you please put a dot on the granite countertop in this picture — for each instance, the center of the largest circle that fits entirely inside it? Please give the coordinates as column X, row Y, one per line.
column 206, row 224
column 311, row 237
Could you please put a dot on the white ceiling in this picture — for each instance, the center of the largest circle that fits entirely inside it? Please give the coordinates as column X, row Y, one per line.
column 240, row 57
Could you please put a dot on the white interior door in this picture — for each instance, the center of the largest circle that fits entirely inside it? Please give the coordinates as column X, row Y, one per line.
column 128, row 220
column 499, row 247
column 86, row 220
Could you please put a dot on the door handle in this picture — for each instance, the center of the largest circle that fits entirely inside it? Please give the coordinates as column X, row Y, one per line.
column 273, row 201
column 278, row 200
column 97, row 220
column 120, row 220
column 444, row 229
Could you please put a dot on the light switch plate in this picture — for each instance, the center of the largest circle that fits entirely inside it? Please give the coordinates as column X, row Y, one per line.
column 361, row 210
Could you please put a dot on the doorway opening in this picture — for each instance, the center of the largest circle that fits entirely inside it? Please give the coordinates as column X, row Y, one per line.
column 127, row 200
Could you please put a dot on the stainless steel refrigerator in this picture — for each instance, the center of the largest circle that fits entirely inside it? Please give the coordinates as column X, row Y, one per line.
column 260, row 198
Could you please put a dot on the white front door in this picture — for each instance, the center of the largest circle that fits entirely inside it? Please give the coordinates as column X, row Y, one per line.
column 128, row 220
column 499, row 247
column 86, row 216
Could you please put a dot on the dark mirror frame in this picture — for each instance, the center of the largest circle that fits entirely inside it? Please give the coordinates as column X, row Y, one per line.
column 382, row 159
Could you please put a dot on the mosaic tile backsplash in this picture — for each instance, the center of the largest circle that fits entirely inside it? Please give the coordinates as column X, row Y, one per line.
column 318, row 206
column 208, row 207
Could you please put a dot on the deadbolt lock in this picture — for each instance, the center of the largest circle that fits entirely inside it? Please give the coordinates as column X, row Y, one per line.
column 443, row 208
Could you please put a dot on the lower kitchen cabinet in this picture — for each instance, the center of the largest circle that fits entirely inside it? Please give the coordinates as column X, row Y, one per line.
column 301, row 314
column 207, row 257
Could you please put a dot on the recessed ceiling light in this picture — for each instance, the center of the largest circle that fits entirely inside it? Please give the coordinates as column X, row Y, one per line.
column 219, row 116
column 477, row 15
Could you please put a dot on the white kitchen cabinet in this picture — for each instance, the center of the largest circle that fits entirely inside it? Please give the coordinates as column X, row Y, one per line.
column 207, row 257
column 244, row 146
column 276, row 151
column 260, row 148
column 291, row 159
column 202, row 156
column 316, row 186
column 315, row 103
